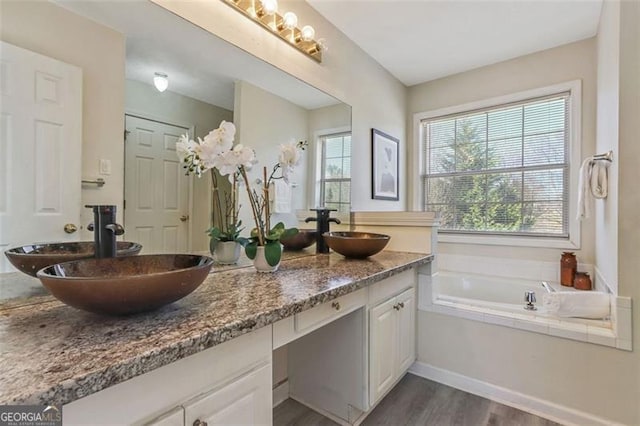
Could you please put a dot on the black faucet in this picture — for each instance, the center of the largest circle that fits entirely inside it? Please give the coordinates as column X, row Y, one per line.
column 322, row 220
column 105, row 229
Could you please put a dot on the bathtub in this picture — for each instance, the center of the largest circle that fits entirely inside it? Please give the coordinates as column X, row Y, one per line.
column 505, row 294
column 500, row 301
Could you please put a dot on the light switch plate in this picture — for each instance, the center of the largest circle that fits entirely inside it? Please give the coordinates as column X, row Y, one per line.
column 105, row 167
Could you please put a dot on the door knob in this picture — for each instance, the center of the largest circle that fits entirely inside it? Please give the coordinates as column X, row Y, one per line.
column 184, row 218
column 70, row 228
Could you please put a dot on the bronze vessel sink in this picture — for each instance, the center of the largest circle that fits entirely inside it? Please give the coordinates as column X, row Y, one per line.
column 125, row 285
column 31, row 258
column 356, row 244
column 303, row 239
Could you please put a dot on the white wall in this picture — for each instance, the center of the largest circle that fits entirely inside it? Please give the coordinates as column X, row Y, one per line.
column 377, row 99
column 629, row 196
column 173, row 108
column 263, row 122
column 593, row 379
column 606, row 211
column 52, row 31
column 565, row 63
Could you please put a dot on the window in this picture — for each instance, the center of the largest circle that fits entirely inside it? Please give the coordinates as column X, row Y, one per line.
column 335, row 178
column 502, row 169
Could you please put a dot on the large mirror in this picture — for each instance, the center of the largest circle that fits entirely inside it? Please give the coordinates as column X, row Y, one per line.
column 209, row 80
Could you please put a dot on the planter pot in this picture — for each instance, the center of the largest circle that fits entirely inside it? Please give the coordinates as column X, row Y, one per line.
column 261, row 264
column 226, row 252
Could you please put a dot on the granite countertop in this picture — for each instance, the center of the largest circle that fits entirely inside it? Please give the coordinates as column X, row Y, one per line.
column 54, row 354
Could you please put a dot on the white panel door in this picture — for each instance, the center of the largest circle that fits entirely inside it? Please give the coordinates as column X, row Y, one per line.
column 40, row 148
column 382, row 349
column 156, row 188
column 406, row 330
column 246, row 401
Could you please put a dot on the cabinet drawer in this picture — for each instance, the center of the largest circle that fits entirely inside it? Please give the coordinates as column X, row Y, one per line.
column 391, row 286
column 329, row 311
column 291, row 328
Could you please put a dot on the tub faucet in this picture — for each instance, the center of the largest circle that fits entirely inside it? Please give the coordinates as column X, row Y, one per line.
column 530, row 298
column 322, row 220
column 105, row 229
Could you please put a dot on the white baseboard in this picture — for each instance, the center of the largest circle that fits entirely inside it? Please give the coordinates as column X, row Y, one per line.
column 280, row 393
column 540, row 407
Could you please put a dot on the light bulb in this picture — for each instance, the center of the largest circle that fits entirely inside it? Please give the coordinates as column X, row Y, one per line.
column 161, row 81
column 307, row 33
column 322, row 44
column 290, row 20
column 269, row 7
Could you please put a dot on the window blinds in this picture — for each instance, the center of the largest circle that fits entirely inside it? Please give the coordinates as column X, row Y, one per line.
column 335, row 182
column 500, row 170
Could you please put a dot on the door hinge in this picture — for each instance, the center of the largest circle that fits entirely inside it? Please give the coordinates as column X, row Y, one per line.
column 126, row 133
column 124, row 204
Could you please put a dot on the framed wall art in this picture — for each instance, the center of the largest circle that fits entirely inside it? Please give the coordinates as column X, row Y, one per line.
column 384, row 168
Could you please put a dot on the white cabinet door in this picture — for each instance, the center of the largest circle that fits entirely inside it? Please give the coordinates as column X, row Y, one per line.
column 406, row 330
column 174, row 417
column 245, row 401
column 382, row 349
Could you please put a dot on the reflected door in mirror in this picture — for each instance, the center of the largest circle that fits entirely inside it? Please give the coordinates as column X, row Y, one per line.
column 156, row 189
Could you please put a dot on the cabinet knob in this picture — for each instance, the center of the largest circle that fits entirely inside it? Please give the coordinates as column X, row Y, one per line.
column 335, row 305
column 401, row 304
column 70, row 228
column 396, row 306
column 199, row 422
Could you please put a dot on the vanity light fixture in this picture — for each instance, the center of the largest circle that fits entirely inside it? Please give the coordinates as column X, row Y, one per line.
column 161, row 81
column 265, row 13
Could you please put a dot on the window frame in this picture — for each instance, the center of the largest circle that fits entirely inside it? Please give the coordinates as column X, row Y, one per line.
column 319, row 137
column 573, row 241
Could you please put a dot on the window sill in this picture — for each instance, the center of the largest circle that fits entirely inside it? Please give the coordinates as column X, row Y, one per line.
column 496, row 240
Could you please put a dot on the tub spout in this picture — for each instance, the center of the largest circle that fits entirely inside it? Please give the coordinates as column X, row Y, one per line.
column 548, row 287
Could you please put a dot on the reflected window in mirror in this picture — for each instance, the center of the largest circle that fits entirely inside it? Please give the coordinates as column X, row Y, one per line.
column 335, row 177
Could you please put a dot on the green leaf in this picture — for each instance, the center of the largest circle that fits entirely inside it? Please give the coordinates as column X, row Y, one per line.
column 251, row 249
column 288, row 233
column 243, row 241
column 272, row 252
column 214, row 232
column 213, row 243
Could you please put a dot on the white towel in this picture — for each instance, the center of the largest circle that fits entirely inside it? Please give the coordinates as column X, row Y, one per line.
column 599, row 180
column 577, row 304
column 593, row 183
column 280, row 195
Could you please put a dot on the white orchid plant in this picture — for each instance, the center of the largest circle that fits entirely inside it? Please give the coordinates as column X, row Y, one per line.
column 217, row 151
column 202, row 156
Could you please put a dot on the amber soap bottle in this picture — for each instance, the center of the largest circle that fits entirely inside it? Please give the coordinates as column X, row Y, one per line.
column 568, row 268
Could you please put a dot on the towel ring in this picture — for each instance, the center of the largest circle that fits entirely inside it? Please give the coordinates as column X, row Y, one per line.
column 607, row 156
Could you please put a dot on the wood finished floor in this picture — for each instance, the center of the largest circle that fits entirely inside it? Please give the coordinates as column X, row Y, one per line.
column 418, row 401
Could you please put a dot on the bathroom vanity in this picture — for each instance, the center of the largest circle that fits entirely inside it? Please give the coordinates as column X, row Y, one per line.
column 349, row 326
